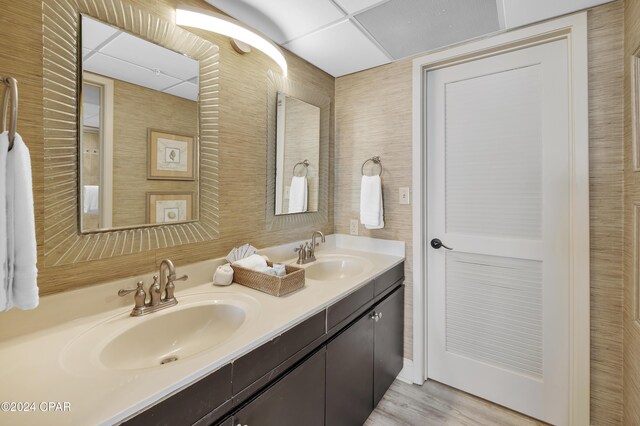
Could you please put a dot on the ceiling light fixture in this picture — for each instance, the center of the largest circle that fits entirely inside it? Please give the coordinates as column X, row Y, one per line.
column 216, row 23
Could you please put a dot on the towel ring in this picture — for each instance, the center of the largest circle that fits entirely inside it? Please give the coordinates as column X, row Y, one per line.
column 376, row 160
column 10, row 91
column 304, row 163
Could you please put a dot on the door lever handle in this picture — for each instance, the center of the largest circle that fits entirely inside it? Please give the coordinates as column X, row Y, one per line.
column 436, row 244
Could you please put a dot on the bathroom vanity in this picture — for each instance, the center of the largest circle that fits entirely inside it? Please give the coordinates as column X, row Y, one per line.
column 325, row 353
column 333, row 368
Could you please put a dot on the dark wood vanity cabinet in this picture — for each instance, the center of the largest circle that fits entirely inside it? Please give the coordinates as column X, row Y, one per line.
column 363, row 361
column 296, row 399
column 350, row 374
column 388, row 343
column 331, row 369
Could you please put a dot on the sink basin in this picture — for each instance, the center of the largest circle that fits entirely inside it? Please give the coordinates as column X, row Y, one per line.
column 174, row 336
column 337, row 268
column 197, row 325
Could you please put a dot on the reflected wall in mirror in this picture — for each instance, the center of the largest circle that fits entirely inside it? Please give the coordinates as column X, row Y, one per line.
column 138, row 128
column 298, row 129
column 297, row 155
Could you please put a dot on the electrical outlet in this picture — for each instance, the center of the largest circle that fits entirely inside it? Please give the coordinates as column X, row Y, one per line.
column 353, row 227
column 404, row 195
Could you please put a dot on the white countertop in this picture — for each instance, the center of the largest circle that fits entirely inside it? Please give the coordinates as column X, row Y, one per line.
column 32, row 343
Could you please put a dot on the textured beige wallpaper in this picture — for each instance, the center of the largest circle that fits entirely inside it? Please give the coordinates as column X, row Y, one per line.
column 374, row 117
column 632, row 227
column 161, row 111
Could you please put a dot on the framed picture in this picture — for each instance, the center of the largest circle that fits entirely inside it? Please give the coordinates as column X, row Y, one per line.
column 169, row 207
column 171, row 156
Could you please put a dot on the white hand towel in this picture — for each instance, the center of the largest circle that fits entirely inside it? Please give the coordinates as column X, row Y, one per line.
column 22, row 283
column 371, row 208
column 90, row 197
column 5, row 292
column 298, row 194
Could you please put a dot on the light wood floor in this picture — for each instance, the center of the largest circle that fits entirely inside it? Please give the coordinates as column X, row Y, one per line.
column 435, row 404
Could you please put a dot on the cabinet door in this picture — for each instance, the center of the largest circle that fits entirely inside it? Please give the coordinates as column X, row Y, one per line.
column 388, row 343
column 297, row 399
column 350, row 375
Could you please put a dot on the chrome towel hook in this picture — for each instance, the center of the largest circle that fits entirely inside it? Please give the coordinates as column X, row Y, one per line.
column 375, row 160
column 10, row 91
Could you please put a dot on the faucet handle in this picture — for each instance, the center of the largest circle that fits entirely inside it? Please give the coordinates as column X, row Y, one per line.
column 125, row 291
column 140, row 297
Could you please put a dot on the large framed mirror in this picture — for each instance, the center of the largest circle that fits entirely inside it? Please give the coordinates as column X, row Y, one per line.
column 297, row 155
column 298, row 127
column 131, row 137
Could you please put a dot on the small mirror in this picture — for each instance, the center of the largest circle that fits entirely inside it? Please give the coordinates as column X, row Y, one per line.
column 138, row 131
column 297, row 155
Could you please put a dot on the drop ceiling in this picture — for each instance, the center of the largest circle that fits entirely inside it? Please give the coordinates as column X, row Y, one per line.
column 116, row 54
column 346, row 36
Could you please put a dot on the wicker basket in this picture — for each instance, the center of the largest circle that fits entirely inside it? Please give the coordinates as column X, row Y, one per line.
column 270, row 284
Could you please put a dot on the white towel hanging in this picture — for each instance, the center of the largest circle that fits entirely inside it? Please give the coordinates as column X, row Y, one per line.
column 371, row 208
column 5, row 293
column 21, row 286
column 298, row 194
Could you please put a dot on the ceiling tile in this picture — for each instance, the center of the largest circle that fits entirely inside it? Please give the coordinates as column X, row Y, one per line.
column 281, row 20
column 122, row 70
column 149, row 55
column 522, row 12
column 339, row 49
column 95, row 32
column 184, row 90
column 408, row 27
column 354, row 6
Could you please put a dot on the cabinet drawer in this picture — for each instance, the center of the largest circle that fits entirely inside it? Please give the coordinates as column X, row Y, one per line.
column 265, row 358
column 389, row 278
column 190, row 404
column 350, row 304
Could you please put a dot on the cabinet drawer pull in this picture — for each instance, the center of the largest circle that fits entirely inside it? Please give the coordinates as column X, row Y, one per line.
column 376, row 316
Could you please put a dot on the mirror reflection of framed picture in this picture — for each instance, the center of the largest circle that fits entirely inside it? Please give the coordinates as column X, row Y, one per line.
column 168, row 207
column 171, row 156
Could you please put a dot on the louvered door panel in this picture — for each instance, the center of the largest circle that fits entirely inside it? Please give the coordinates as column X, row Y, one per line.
column 494, row 311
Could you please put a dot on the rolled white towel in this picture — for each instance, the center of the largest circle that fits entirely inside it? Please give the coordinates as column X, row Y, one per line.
column 280, row 269
column 254, row 262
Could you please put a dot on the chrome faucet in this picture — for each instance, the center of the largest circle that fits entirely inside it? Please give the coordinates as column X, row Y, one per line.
column 157, row 300
column 306, row 251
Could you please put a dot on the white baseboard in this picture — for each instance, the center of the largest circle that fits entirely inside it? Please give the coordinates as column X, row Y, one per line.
column 406, row 374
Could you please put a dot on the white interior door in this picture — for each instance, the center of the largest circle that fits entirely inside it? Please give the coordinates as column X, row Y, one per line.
column 499, row 178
